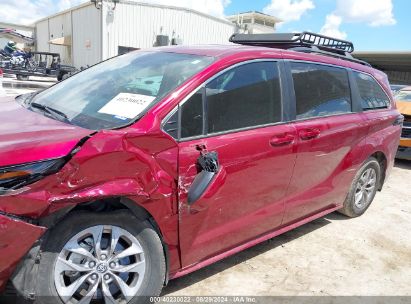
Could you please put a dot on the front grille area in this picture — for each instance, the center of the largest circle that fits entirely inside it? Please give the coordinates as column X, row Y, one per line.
column 406, row 132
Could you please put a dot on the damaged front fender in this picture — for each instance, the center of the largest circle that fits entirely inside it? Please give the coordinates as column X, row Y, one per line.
column 126, row 164
column 112, row 163
column 16, row 239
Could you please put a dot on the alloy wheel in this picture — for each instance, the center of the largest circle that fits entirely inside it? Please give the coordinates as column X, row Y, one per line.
column 365, row 188
column 102, row 262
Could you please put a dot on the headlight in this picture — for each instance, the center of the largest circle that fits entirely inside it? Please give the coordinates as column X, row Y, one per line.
column 14, row 177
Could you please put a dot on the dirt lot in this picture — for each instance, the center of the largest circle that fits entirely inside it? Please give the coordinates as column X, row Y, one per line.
column 369, row 255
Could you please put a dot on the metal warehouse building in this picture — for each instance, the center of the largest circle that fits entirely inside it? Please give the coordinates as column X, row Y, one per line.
column 91, row 32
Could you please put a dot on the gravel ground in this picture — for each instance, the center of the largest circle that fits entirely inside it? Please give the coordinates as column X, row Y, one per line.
column 334, row 255
column 366, row 256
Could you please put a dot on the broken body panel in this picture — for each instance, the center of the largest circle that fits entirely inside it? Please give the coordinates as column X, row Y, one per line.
column 17, row 237
column 145, row 166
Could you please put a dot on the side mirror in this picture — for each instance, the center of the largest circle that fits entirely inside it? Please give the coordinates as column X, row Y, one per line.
column 208, row 163
column 199, row 186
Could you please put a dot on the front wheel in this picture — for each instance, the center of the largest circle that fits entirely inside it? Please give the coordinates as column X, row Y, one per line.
column 363, row 189
column 101, row 257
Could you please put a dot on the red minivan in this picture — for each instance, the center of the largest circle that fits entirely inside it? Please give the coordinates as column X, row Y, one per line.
column 153, row 164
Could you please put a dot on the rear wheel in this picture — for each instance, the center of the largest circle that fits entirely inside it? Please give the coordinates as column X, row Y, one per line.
column 363, row 189
column 60, row 76
column 101, row 257
column 65, row 76
column 22, row 77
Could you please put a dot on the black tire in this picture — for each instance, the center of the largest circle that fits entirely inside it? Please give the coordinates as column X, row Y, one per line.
column 153, row 280
column 62, row 76
column 349, row 208
column 22, row 77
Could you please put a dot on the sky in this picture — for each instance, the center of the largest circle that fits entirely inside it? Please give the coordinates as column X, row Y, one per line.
column 373, row 25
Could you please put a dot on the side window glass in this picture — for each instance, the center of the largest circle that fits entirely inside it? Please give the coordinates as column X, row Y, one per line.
column 320, row 90
column 372, row 95
column 171, row 125
column 192, row 115
column 245, row 96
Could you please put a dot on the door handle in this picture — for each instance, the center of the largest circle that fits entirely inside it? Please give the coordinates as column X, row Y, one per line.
column 282, row 140
column 310, row 133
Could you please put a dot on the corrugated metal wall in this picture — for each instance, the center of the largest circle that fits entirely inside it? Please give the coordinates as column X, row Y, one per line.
column 97, row 34
column 87, row 36
column 42, row 36
column 60, row 26
column 51, row 28
column 136, row 25
column 83, row 24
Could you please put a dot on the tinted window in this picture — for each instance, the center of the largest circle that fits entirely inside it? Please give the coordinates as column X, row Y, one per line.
column 117, row 91
column 192, row 115
column 171, row 125
column 320, row 90
column 372, row 96
column 245, row 96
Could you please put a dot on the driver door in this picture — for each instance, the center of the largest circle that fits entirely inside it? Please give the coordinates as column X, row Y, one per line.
column 255, row 152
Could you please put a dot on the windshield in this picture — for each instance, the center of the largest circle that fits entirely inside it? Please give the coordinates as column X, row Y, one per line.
column 403, row 96
column 115, row 92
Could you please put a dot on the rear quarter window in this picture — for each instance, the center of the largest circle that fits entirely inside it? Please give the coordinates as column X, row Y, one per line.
column 372, row 96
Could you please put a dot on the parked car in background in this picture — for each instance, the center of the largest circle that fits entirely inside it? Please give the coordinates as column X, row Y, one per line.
column 153, row 164
column 397, row 87
column 403, row 100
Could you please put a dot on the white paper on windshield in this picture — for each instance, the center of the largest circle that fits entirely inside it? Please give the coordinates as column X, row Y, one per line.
column 127, row 105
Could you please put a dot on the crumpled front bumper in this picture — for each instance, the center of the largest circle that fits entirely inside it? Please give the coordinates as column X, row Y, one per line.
column 16, row 239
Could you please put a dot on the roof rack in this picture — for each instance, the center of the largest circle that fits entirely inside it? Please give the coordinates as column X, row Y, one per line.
column 301, row 42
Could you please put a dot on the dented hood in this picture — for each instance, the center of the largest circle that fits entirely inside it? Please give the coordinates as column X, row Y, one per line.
column 27, row 136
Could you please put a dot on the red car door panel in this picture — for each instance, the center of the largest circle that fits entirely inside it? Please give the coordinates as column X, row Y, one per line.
column 331, row 139
column 246, row 197
column 326, row 163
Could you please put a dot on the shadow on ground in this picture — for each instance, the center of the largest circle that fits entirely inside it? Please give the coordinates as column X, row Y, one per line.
column 199, row 275
column 25, row 85
column 10, row 77
column 204, row 273
column 403, row 164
